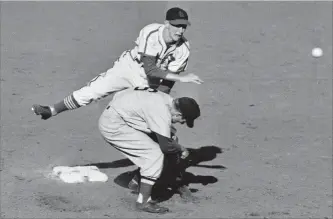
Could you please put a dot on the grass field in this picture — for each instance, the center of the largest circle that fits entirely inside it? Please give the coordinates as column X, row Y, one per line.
column 266, row 103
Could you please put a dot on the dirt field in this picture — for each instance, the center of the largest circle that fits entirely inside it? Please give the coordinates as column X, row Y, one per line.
column 266, row 103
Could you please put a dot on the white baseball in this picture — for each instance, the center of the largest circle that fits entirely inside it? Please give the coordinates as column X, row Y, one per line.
column 317, row 52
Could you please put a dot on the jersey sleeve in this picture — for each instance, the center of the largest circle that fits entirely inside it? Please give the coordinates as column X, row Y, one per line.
column 147, row 42
column 168, row 145
column 179, row 64
column 165, row 86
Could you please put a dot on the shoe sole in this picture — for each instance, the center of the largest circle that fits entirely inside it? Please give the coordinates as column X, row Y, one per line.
column 34, row 110
column 152, row 212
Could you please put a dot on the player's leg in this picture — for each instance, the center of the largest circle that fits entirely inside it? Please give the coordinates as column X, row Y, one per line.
column 171, row 177
column 173, row 172
column 149, row 158
column 99, row 87
column 141, row 150
column 122, row 75
column 173, row 162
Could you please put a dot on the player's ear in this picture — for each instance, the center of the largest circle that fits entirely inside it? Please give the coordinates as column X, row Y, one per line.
column 175, row 111
column 179, row 114
column 176, row 103
column 167, row 23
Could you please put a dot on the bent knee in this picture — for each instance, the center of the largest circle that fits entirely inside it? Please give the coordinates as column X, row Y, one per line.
column 153, row 166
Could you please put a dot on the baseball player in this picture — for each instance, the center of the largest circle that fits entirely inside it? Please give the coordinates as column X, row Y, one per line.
column 160, row 54
column 129, row 120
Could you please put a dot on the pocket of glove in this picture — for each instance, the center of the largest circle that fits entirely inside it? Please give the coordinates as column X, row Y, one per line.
column 173, row 159
column 185, row 153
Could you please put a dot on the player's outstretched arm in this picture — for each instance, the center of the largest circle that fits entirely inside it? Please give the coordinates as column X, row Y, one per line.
column 152, row 71
column 189, row 78
column 68, row 103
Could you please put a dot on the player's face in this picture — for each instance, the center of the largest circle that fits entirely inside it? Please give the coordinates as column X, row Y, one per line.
column 176, row 31
column 178, row 118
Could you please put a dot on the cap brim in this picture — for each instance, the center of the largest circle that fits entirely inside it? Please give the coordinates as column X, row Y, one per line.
column 180, row 22
column 190, row 123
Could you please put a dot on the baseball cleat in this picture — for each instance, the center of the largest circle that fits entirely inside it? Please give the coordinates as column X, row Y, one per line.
column 44, row 111
column 151, row 208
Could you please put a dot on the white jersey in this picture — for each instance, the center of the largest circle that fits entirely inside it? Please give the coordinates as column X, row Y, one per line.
column 128, row 70
column 150, row 42
column 144, row 109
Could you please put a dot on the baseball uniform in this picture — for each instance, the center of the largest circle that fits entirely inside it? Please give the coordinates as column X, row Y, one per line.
column 128, row 70
column 129, row 119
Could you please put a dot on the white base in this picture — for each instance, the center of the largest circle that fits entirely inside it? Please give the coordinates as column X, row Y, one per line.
column 79, row 174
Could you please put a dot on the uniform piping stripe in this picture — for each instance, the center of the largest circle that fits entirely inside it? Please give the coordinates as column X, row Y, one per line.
column 144, row 51
column 187, row 46
column 163, row 49
column 159, row 41
column 185, row 62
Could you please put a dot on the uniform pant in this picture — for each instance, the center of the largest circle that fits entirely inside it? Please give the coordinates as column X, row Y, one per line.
column 125, row 73
column 135, row 145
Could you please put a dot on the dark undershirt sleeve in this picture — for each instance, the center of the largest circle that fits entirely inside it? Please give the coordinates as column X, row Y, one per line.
column 165, row 86
column 151, row 70
column 156, row 76
column 168, row 145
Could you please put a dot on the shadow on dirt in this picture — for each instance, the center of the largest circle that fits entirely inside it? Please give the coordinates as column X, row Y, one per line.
column 202, row 154
column 114, row 164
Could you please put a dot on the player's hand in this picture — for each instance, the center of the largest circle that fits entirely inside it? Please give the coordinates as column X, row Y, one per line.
column 44, row 111
column 191, row 78
column 184, row 154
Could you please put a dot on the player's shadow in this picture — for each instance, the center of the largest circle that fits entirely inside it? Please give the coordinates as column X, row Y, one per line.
column 114, row 164
column 202, row 154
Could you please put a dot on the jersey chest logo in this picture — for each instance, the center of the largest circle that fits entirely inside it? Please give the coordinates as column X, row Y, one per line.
column 165, row 61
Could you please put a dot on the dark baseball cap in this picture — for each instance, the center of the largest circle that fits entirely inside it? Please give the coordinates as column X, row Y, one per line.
column 189, row 109
column 177, row 16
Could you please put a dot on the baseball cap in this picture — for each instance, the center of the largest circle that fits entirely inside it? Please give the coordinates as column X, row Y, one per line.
column 189, row 109
column 177, row 16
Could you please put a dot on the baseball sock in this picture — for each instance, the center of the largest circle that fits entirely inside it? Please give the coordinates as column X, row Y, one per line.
column 68, row 103
column 145, row 190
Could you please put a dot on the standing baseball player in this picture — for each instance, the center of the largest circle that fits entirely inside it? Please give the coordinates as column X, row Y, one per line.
column 160, row 54
column 129, row 120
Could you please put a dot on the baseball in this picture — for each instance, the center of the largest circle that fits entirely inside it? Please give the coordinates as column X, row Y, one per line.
column 317, row 52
